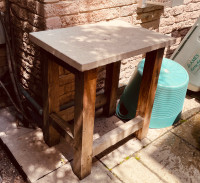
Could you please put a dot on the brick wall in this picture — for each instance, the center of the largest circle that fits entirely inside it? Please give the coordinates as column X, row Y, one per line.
column 3, row 63
column 35, row 15
column 2, row 5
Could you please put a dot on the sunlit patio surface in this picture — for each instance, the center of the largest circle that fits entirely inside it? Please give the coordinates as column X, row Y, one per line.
column 166, row 155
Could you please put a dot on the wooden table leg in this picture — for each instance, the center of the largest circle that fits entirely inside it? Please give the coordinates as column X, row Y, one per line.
column 85, row 96
column 148, row 88
column 111, row 86
column 50, row 98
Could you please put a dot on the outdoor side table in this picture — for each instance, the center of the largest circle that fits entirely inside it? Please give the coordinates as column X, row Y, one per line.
column 81, row 50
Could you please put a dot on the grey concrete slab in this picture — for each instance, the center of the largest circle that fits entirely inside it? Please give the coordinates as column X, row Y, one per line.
column 172, row 160
column 9, row 124
column 103, row 125
column 190, row 107
column 99, row 44
column 15, row 132
column 118, row 153
column 7, row 119
column 33, row 155
column 65, row 175
column 65, row 149
column 132, row 171
column 153, row 133
column 190, row 130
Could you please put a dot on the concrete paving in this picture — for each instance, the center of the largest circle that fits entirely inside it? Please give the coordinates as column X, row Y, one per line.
column 168, row 155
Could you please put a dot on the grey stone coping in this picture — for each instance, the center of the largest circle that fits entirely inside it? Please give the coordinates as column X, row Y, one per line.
column 89, row 46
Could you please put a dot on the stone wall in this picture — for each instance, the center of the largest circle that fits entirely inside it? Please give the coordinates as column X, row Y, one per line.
column 35, row 15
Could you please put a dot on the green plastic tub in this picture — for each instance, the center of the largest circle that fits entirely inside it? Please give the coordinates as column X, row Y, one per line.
column 169, row 98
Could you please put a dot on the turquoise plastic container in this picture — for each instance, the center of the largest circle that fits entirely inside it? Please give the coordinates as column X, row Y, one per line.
column 169, row 98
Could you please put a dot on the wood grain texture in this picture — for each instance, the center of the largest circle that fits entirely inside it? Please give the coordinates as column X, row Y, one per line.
column 111, row 86
column 50, row 97
column 68, row 114
column 116, row 135
column 148, row 88
column 65, row 129
column 85, row 95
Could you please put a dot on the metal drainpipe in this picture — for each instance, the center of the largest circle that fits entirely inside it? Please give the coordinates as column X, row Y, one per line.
column 24, row 92
column 2, row 34
column 31, row 100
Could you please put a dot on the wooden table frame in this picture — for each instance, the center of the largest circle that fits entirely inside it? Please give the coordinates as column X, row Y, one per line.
column 81, row 50
column 81, row 135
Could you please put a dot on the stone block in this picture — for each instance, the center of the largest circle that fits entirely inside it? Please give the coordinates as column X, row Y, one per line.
column 90, row 17
column 53, row 23
column 128, row 10
column 133, row 171
column 65, row 174
column 128, row 19
column 171, row 159
column 36, row 20
column 167, row 21
column 61, row 8
column 19, row 12
column 2, row 6
column 33, row 155
column 91, row 5
column 122, row 2
column 190, row 130
column 117, row 154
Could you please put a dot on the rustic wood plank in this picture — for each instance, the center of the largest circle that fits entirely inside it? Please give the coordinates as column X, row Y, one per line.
column 50, row 98
column 85, row 95
column 66, row 79
column 111, row 86
column 65, row 129
column 148, row 88
column 67, row 97
column 117, row 134
column 68, row 114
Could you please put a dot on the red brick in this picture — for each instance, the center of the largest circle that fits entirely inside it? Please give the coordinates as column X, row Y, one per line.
column 61, row 8
column 53, row 23
column 128, row 10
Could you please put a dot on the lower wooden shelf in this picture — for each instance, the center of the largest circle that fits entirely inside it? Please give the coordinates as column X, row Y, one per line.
column 102, row 143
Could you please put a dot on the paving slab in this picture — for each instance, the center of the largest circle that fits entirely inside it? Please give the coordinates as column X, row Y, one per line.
column 154, row 133
column 33, row 155
column 118, row 153
column 65, row 175
column 7, row 119
column 190, row 130
column 105, row 124
column 9, row 125
column 172, row 159
column 191, row 107
column 132, row 171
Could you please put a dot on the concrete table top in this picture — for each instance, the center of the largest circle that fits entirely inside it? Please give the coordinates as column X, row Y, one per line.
column 89, row 46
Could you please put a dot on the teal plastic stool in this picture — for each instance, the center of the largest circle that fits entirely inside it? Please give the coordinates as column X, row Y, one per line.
column 169, row 98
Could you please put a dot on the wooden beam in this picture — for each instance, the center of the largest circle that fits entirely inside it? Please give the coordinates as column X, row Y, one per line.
column 148, row 88
column 68, row 114
column 85, row 95
column 50, row 97
column 111, row 86
column 64, row 128
column 117, row 135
